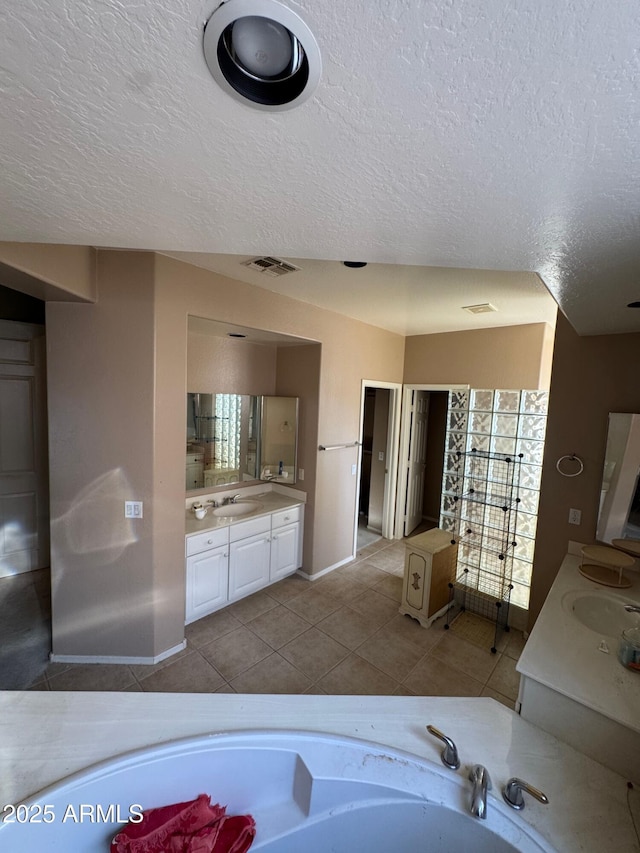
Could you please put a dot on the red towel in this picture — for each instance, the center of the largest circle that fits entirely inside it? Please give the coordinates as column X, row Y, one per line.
column 192, row 827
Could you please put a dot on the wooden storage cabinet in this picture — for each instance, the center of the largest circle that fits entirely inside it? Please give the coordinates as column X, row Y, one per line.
column 429, row 568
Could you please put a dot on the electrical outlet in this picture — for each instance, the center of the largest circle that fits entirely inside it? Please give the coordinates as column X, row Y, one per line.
column 575, row 516
column 133, row 509
column 381, row 456
column 301, row 473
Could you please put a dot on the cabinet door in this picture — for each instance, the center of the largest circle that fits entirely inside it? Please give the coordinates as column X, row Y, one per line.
column 207, row 575
column 285, row 551
column 248, row 565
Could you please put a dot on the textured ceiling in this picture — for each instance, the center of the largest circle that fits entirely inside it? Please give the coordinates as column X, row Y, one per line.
column 404, row 299
column 475, row 134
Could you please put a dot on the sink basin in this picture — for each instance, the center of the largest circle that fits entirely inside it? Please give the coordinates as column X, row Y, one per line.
column 601, row 612
column 237, row 509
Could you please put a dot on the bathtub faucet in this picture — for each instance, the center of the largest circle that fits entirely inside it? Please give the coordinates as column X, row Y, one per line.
column 631, row 608
column 481, row 784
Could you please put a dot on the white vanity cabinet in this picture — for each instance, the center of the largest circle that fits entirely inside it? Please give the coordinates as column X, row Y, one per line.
column 286, row 543
column 207, row 573
column 231, row 562
column 249, row 556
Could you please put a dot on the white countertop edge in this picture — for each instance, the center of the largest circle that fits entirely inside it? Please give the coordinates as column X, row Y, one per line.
column 563, row 655
column 47, row 736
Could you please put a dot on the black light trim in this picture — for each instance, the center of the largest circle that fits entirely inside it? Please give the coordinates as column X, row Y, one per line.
column 273, row 91
column 355, row 265
column 633, row 305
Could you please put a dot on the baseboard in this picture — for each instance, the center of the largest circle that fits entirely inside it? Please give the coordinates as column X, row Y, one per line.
column 324, row 572
column 118, row 658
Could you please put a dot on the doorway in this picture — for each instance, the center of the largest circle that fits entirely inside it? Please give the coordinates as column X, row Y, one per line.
column 25, row 598
column 422, row 449
column 378, row 462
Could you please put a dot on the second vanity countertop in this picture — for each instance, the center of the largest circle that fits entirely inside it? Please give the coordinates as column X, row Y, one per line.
column 271, row 498
column 566, row 656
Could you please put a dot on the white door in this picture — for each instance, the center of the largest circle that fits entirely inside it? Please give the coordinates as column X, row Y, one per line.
column 24, row 498
column 417, row 461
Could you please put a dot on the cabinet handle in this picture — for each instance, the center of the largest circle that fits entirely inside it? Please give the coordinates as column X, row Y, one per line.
column 286, row 518
column 209, row 541
column 274, row 537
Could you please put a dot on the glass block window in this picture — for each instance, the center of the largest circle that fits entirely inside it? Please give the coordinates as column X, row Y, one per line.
column 504, row 423
column 228, row 412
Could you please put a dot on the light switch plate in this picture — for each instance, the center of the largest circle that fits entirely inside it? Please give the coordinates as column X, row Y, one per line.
column 133, row 509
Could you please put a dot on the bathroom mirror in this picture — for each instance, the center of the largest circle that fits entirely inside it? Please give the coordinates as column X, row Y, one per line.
column 619, row 512
column 233, row 438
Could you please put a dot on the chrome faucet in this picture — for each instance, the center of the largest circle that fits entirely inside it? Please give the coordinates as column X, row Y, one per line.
column 481, row 784
column 632, row 608
column 512, row 793
column 449, row 754
column 231, row 500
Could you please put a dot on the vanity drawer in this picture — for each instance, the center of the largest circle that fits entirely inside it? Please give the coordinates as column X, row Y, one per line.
column 209, row 539
column 285, row 516
column 253, row 527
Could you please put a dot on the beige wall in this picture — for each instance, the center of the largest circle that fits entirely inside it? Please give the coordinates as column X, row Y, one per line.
column 592, row 376
column 101, row 420
column 49, row 272
column 298, row 374
column 506, row 357
column 218, row 365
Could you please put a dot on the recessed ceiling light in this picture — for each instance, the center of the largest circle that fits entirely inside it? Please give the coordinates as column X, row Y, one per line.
column 262, row 53
column 355, row 265
column 236, row 335
column 633, row 305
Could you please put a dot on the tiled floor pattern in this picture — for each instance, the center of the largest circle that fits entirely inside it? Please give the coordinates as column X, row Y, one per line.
column 341, row 634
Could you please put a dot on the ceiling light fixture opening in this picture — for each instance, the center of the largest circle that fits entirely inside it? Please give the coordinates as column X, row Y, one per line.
column 633, row 305
column 262, row 53
column 355, row 265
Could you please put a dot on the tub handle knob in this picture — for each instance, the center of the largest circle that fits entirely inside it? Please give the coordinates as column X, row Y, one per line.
column 449, row 754
column 512, row 793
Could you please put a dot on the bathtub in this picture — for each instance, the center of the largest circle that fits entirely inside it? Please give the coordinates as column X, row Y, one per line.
column 307, row 792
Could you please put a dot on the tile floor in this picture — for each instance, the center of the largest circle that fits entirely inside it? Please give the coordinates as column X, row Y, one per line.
column 341, row 634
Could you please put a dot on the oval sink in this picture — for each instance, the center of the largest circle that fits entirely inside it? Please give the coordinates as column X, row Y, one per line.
column 601, row 612
column 236, row 509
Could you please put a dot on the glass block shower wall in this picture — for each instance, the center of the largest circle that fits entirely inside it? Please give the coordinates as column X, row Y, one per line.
column 500, row 421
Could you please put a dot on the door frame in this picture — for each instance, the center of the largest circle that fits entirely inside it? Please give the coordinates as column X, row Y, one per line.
column 393, row 437
column 403, row 446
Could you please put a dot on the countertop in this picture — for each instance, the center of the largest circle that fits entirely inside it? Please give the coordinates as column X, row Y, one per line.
column 271, row 499
column 47, row 736
column 582, row 671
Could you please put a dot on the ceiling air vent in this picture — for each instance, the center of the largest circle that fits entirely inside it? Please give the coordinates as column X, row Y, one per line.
column 484, row 308
column 271, row 266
